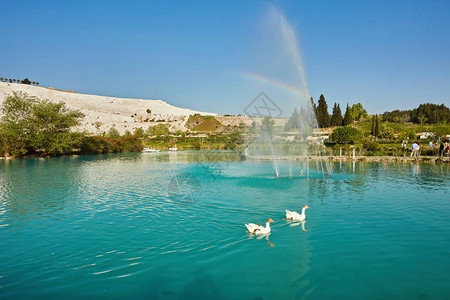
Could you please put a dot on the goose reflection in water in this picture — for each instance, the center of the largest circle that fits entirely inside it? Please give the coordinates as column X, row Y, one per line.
column 296, row 223
column 261, row 236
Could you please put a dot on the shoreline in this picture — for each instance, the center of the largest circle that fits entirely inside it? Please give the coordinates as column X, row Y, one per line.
column 381, row 159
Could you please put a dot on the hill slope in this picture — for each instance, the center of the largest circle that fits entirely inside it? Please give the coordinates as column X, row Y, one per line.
column 102, row 112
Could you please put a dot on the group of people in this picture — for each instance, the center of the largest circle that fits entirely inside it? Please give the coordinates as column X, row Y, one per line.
column 415, row 148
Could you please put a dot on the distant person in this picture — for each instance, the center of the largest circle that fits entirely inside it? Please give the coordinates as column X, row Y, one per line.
column 301, row 172
column 415, row 149
column 404, row 147
column 441, row 149
column 431, row 147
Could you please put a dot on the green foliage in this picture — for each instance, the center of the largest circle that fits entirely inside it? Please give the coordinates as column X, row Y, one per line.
column 202, row 123
column 346, row 135
column 294, row 121
column 26, row 81
column 103, row 144
column 139, row 132
column 313, row 106
column 267, row 127
column 386, row 132
column 323, row 117
column 252, row 128
column 336, row 117
column 233, row 140
column 197, row 145
column 372, row 131
column 149, row 111
column 376, row 130
column 30, row 125
column 426, row 113
column 158, row 130
column 431, row 114
column 371, row 146
column 113, row 133
column 358, row 112
column 347, row 117
column 441, row 130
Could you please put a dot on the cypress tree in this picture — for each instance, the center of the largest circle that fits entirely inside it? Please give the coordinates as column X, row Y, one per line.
column 294, row 121
column 323, row 117
column 313, row 105
column 372, row 132
column 377, row 129
column 347, row 117
column 336, row 117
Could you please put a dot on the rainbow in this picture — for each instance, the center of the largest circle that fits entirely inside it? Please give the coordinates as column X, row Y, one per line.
column 278, row 84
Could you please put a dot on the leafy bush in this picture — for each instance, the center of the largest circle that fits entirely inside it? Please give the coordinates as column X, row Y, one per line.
column 158, row 130
column 386, row 132
column 30, row 125
column 346, row 135
column 374, row 153
column 113, row 133
column 371, row 146
column 139, row 132
column 103, row 144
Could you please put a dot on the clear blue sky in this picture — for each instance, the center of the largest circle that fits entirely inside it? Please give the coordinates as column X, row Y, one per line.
column 385, row 54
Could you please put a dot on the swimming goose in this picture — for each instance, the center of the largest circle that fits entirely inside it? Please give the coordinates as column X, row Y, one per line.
column 295, row 216
column 258, row 229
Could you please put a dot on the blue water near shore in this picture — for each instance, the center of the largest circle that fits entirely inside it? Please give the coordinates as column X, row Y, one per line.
column 162, row 226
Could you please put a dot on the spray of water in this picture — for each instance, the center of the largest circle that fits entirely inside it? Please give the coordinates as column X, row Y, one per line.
column 279, row 71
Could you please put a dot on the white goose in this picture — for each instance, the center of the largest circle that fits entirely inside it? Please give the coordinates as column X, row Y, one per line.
column 259, row 229
column 295, row 216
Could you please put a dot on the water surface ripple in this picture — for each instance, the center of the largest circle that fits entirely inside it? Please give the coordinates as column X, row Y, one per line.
column 133, row 226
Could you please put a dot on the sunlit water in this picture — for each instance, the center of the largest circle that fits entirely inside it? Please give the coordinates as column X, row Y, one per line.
column 160, row 226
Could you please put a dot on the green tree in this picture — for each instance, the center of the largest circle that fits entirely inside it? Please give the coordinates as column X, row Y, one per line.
column 113, row 133
column 313, row 105
column 158, row 130
column 40, row 126
column 376, row 131
column 347, row 117
column 336, row 117
column 358, row 112
column 346, row 135
column 294, row 121
column 323, row 117
column 372, row 131
column 386, row 132
column 139, row 132
column 441, row 130
column 26, row 81
column 267, row 127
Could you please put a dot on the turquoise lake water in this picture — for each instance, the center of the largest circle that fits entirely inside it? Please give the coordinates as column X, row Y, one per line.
column 162, row 226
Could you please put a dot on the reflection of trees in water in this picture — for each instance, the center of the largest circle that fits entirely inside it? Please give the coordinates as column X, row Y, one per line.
column 321, row 191
column 37, row 188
